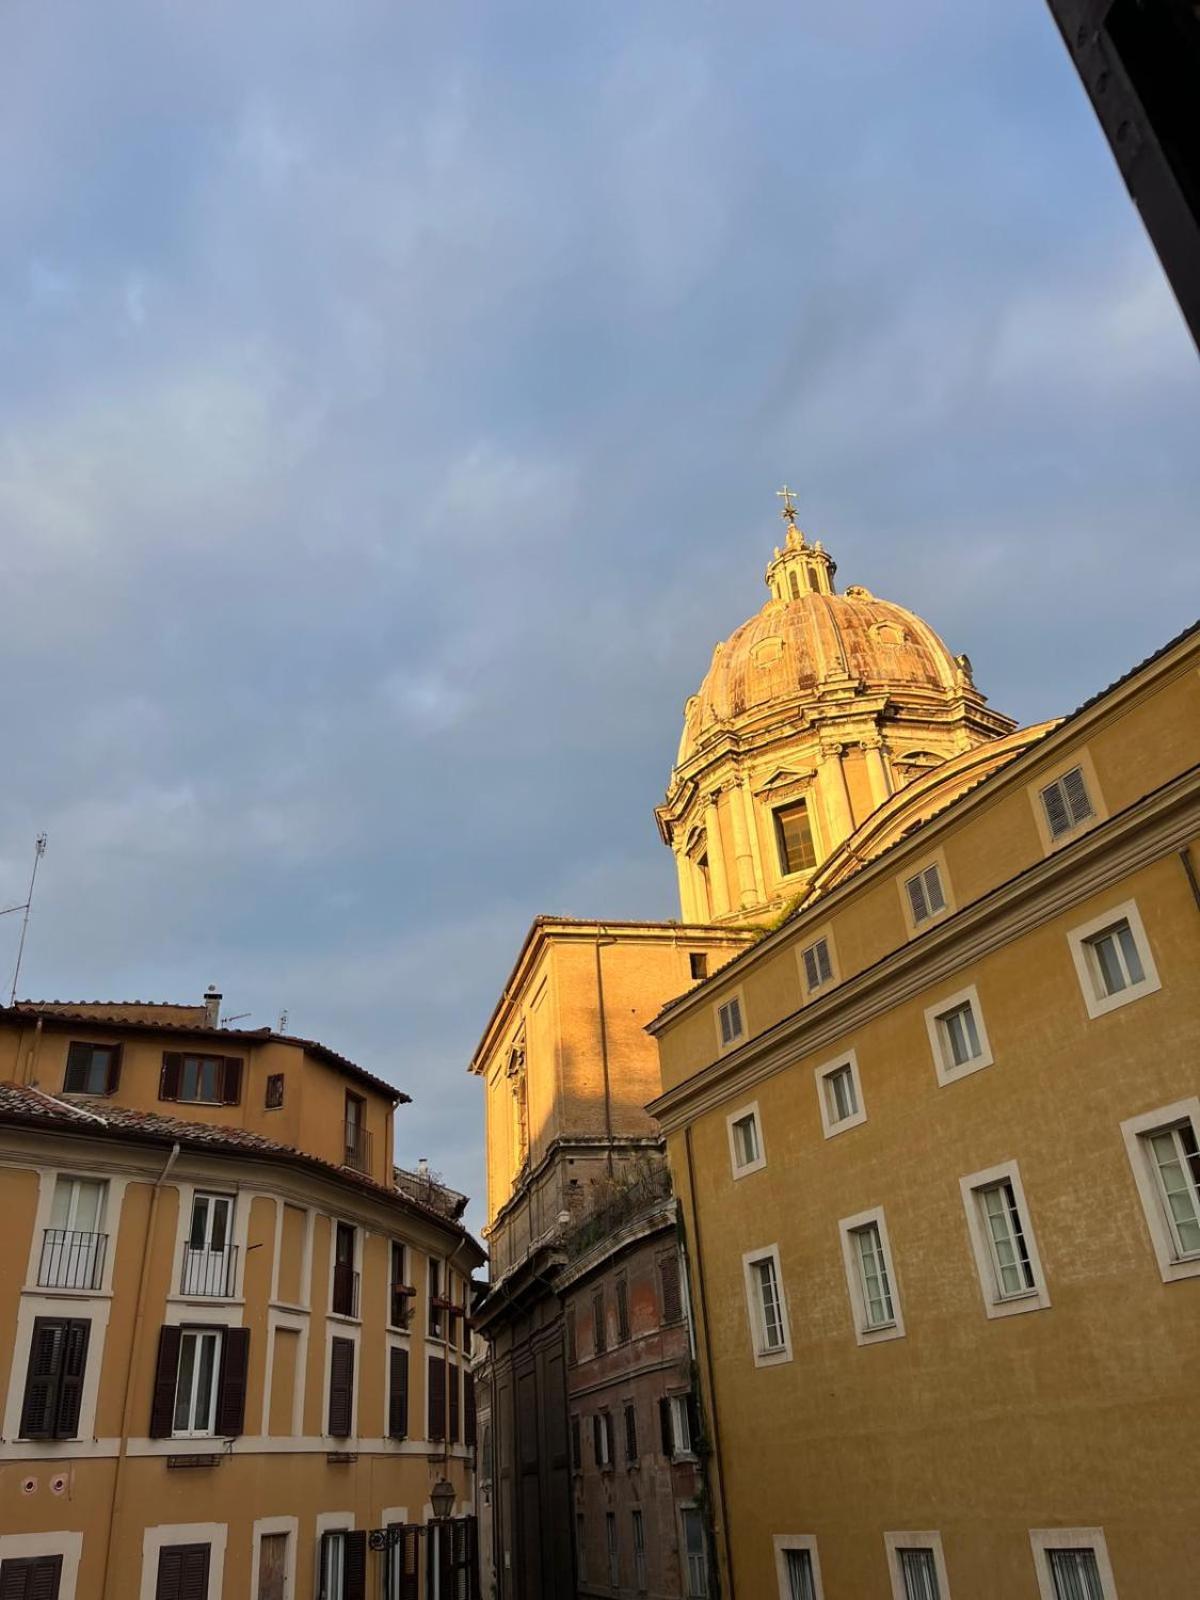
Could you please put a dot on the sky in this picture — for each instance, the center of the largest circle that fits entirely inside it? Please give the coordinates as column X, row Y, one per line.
column 392, row 404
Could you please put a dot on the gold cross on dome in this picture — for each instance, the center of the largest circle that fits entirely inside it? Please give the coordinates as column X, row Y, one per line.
column 789, row 510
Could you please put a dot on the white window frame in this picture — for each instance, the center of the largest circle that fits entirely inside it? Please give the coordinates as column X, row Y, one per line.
column 814, row 938
column 821, row 1075
column 1172, row 1267
column 156, row 1539
column 677, row 1406
column 685, row 1509
column 743, row 1169
column 946, row 1071
column 995, row 1302
column 68, row 1545
column 199, row 1333
column 863, row 1332
column 762, row 1356
column 918, row 869
column 1043, row 1540
column 797, row 1541
column 1097, row 1003
column 638, row 1524
column 723, row 1047
column 929, row 1539
column 1081, row 759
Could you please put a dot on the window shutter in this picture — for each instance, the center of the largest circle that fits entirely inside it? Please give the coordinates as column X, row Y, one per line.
column 79, row 1058
column 664, row 1420
column 355, row 1584
column 631, row 1439
column 398, row 1393
column 172, row 1069
column 469, row 1409
column 70, row 1383
column 455, row 1405
column 437, row 1398
column 341, row 1387
column 596, row 1453
column 622, row 1311
column 693, row 1422
column 39, row 1408
column 231, row 1394
column 576, row 1446
column 610, row 1437
column 1078, row 800
column 672, row 1303
column 162, row 1408
column 811, row 975
column 933, row 889
column 30, row 1578
column 916, row 899
column 114, row 1070
column 231, row 1081
column 824, row 964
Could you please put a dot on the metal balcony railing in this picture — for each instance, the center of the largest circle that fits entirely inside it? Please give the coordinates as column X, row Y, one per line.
column 71, row 1260
column 209, row 1272
column 356, row 1147
column 345, row 1290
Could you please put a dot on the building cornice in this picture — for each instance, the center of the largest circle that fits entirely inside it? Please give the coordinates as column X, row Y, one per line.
column 1151, row 829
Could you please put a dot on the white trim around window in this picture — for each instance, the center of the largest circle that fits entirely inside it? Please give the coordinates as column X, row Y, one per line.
column 831, row 1096
column 931, row 891
column 1002, row 1241
column 213, row 1534
column 271, row 1525
column 811, row 964
column 742, row 1161
column 735, row 999
column 770, row 1331
column 1043, row 1540
column 1079, row 819
column 871, row 1277
column 927, row 1540
column 797, row 1541
column 68, row 1545
column 1169, row 1199
column 940, row 1028
column 1133, row 960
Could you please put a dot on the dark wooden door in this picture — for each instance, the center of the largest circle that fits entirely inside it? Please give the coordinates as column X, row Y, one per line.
column 183, row 1572
column 272, row 1566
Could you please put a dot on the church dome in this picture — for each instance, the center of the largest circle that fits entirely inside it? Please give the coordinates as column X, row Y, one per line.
column 803, row 648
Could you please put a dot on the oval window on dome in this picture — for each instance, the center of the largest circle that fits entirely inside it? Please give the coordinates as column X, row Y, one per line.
column 889, row 633
column 767, row 651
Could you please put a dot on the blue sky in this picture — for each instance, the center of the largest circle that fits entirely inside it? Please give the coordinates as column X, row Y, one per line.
column 392, row 400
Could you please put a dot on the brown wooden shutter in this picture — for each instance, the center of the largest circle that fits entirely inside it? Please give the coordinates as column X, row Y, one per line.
column 596, row 1455
column 672, row 1302
column 182, row 1572
column 398, row 1394
column 172, row 1070
column 70, row 1383
column 631, row 1439
column 576, row 1447
column 341, row 1388
column 39, row 1408
column 455, row 1405
column 162, row 1407
column 30, row 1578
column 114, row 1070
column 664, row 1419
column 622, row 1311
column 79, row 1059
column 437, row 1398
column 231, row 1081
column 469, row 1409
column 354, row 1586
column 231, row 1393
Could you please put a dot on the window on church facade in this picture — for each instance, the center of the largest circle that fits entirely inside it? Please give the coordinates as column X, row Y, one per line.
column 793, row 835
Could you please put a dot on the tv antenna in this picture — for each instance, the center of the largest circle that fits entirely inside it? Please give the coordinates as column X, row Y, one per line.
column 39, row 850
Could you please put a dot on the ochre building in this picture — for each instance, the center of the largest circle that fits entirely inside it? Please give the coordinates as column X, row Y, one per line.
column 231, row 1348
column 935, row 1136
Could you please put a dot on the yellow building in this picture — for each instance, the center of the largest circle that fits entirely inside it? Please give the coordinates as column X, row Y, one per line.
column 230, row 1345
column 935, row 1135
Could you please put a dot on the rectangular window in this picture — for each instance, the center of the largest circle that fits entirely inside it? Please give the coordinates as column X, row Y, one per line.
column 208, row 1252
column 599, row 1340
column 631, row 1438
column 397, row 1393
column 746, row 1151
column 273, row 1566
column 1113, row 960
column 695, row 1553
column 182, row 1572
column 343, row 1300
column 356, row 1139
column 840, row 1095
column 1066, row 803
column 1006, row 1255
column 730, row 1022
column 196, row 1383
column 918, row 1570
column 925, row 895
column 435, row 1294
column 435, row 1389
column 698, row 963
column 818, row 968
column 1075, row 1574
column 767, row 1307
column 341, row 1388
column 92, row 1068
column 209, row 1080
column 614, row 1554
column 54, row 1378
column 799, row 1569
column 399, row 1290
column 602, row 1439
column 873, row 1279
column 274, row 1099
column 576, row 1446
column 572, row 1337
column 1116, row 964
column 639, row 1550
column 343, row 1565
column 74, row 1245
column 30, row 1577
column 1006, row 1239
column 679, row 1425
column 960, row 1035
column 1175, row 1161
column 622, row 1290
column 668, row 1281
column 793, row 836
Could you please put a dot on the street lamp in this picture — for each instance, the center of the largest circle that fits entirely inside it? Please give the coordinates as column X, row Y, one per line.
column 442, row 1498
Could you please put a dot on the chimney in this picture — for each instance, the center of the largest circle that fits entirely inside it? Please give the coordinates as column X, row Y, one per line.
column 212, row 1006
column 422, row 1166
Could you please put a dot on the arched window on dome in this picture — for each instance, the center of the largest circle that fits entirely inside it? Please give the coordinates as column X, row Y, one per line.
column 794, row 584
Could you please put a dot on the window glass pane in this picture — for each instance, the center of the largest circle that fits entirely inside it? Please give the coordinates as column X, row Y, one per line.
column 1129, row 953
column 746, row 1135
column 202, row 1415
column 843, row 1102
column 961, row 1034
column 919, row 1572
column 1112, row 978
column 933, row 889
column 1010, row 1255
column 1076, row 1575
column 800, row 1575
column 793, row 832
column 877, row 1294
column 1178, row 1165
column 769, row 1302
column 183, row 1386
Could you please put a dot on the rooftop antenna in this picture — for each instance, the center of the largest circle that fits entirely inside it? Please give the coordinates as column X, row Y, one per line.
column 238, row 1016
column 282, row 1028
column 39, row 850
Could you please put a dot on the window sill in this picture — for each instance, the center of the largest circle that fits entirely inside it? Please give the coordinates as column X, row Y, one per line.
column 48, row 1291
column 344, row 1317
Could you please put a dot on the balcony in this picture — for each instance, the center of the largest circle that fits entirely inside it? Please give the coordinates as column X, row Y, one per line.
column 71, row 1260
column 345, row 1290
column 209, row 1273
column 356, row 1147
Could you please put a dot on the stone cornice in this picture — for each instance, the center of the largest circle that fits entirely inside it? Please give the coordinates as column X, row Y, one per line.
column 1148, row 831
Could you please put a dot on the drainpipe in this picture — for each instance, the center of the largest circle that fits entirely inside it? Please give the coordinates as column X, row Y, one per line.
column 134, row 1354
column 608, row 1131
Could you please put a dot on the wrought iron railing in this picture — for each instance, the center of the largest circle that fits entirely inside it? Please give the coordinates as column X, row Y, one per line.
column 209, row 1272
column 356, row 1147
column 71, row 1259
column 345, row 1290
